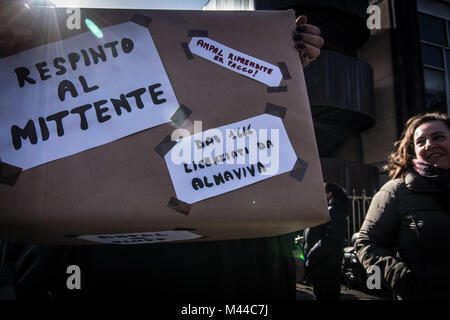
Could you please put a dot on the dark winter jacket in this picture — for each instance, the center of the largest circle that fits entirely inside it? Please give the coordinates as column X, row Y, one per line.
column 407, row 234
column 324, row 243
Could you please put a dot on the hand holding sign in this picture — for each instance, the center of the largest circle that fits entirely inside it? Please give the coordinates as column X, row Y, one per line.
column 308, row 41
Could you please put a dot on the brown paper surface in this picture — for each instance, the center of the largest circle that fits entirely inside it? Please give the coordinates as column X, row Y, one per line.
column 125, row 187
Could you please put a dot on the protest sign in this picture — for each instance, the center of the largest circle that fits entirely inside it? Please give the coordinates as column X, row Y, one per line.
column 126, row 186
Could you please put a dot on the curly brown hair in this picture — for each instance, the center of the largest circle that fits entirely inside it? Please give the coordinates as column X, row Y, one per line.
column 400, row 160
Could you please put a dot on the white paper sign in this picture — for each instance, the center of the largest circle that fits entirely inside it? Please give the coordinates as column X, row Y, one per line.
column 72, row 95
column 236, row 61
column 230, row 157
column 141, row 238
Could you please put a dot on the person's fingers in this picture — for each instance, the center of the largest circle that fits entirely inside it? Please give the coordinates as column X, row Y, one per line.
column 305, row 49
column 313, row 52
column 308, row 28
column 307, row 38
column 301, row 20
column 304, row 58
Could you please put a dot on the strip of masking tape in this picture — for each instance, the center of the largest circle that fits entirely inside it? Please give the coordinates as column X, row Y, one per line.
column 277, row 89
column 9, row 174
column 179, row 206
column 284, row 70
column 181, row 115
column 275, row 110
column 299, row 170
column 141, row 20
column 198, row 33
column 187, row 51
column 165, row 146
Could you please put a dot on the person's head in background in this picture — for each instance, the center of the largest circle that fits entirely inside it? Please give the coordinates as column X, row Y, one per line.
column 425, row 142
column 336, row 195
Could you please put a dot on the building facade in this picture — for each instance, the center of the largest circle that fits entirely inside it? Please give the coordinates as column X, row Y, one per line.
column 383, row 61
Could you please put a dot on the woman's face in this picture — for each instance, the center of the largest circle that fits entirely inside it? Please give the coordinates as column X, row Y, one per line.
column 432, row 143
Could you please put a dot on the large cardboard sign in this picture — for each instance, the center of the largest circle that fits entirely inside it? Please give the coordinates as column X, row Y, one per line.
column 72, row 95
column 114, row 181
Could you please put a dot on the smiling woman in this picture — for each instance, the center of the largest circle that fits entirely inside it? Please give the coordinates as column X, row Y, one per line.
column 432, row 144
column 405, row 232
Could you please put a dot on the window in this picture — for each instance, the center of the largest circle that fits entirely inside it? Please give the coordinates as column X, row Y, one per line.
column 447, row 57
column 434, row 46
column 432, row 29
column 434, row 81
column 432, row 56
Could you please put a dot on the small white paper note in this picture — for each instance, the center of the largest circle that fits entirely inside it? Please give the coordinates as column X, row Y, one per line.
column 72, row 95
column 230, row 157
column 141, row 237
column 236, row 61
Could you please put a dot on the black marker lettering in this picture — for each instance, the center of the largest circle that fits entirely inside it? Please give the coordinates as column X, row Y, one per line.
column 228, row 176
column 122, row 103
column 186, row 169
column 57, row 63
column 41, row 67
column 207, row 183
column 44, row 129
column 197, row 184
column 73, row 59
column 81, row 110
column 137, row 96
column 218, row 179
column 127, row 45
column 112, row 45
column 66, row 86
column 85, row 86
column 87, row 61
column 57, row 117
column 154, row 94
column 23, row 75
column 96, row 55
column 99, row 111
column 29, row 131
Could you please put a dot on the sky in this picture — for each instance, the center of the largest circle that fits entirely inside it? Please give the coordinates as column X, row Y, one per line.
column 132, row 4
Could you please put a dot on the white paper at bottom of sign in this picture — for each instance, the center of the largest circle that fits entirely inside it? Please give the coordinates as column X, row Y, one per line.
column 261, row 150
column 141, row 237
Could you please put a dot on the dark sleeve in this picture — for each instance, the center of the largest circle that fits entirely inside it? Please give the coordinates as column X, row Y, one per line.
column 332, row 239
column 377, row 239
column 39, row 271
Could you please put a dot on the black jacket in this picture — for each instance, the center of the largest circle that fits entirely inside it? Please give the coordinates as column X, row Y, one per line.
column 324, row 243
column 406, row 234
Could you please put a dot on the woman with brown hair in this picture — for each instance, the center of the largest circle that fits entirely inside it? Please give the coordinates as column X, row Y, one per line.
column 406, row 232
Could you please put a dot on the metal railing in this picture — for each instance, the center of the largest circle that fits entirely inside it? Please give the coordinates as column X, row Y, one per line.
column 360, row 206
